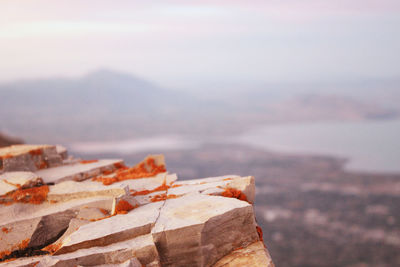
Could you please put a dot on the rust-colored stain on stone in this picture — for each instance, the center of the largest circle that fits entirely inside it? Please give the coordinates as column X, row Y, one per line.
column 52, row 248
column 6, row 230
column 21, row 246
column 162, row 187
column 142, row 170
column 260, row 234
column 234, row 193
column 123, row 207
column 88, row 161
column 34, row 195
column 36, row 152
column 104, row 211
column 162, row 197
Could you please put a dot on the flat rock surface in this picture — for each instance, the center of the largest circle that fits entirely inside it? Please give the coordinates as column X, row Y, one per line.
column 10, row 181
column 117, row 228
column 141, row 247
column 78, row 171
column 216, row 186
column 253, row 255
column 70, row 190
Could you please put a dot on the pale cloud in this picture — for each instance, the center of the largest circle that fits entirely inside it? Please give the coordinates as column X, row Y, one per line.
column 258, row 40
column 71, row 28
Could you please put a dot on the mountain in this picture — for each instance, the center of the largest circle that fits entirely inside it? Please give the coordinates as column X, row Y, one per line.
column 100, row 91
column 87, row 107
column 111, row 105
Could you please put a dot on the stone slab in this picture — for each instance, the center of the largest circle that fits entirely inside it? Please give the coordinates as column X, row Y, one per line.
column 78, row 171
column 254, row 255
column 198, row 230
column 9, row 181
column 117, row 228
column 216, row 186
column 141, row 248
column 28, row 157
column 69, row 190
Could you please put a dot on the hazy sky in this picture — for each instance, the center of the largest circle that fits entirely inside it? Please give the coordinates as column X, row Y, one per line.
column 184, row 43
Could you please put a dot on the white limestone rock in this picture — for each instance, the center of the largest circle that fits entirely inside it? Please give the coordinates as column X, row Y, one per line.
column 22, row 262
column 62, row 151
column 198, row 230
column 39, row 228
column 117, row 228
column 190, row 224
column 78, row 171
column 216, row 186
column 28, row 157
column 70, row 190
column 21, row 211
column 253, row 255
column 10, row 181
column 142, row 248
column 129, row 263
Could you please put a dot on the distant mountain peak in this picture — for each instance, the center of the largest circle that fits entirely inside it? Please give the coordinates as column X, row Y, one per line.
column 108, row 75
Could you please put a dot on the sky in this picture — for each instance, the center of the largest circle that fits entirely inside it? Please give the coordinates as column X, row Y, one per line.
column 184, row 44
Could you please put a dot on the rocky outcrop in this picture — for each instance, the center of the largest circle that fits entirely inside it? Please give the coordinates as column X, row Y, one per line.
column 57, row 210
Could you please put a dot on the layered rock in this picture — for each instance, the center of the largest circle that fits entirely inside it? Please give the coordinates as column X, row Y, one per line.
column 72, row 212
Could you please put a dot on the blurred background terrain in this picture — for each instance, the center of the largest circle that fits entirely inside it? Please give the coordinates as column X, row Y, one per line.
column 304, row 95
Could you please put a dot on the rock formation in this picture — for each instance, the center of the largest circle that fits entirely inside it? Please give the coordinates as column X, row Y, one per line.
column 57, row 210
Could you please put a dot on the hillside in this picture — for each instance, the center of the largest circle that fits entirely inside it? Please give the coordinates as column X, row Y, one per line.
column 111, row 105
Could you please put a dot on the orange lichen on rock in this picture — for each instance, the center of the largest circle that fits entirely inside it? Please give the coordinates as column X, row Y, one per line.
column 21, row 246
column 36, row 152
column 162, row 197
column 123, row 207
column 162, row 187
column 260, row 234
column 24, row 244
column 89, row 161
column 234, row 193
column 227, row 179
column 34, row 195
column 6, row 230
column 142, row 170
column 42, row 165
column 6, row 156
column 119, row 165
column 4, row 253
column 104, row 211
column 98, row 219
column 52, row 248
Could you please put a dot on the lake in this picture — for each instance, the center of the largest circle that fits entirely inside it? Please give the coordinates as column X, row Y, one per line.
column 369, row 145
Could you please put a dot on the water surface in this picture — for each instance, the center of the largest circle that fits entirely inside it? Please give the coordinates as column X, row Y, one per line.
column 369, row 145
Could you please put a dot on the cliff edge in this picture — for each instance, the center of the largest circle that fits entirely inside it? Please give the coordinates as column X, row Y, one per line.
column 57, row 210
